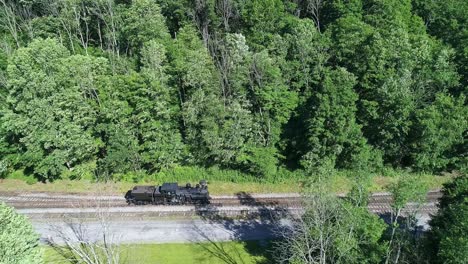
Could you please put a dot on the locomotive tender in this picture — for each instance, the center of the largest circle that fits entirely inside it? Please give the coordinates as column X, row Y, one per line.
column 169, row 193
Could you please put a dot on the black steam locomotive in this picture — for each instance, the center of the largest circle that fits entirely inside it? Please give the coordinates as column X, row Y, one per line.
column 169, row 193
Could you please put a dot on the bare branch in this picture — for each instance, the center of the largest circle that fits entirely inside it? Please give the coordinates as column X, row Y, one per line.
column 78, row 243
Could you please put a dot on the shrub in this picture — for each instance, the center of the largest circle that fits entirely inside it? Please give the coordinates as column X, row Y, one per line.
column 83, row 171
column 19, row 244
column 193, row 174
column 19, row 175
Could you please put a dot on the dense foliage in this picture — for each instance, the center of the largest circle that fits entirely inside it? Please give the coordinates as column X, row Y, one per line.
column 19, row 244
column 109, row 87
column 449, row 228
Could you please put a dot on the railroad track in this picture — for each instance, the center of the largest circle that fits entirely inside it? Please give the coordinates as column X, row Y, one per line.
column 432, row 196
column 40, row 200
column 379, row 202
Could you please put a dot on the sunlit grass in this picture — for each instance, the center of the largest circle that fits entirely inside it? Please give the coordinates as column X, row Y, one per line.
column 117, row 188
column 243, row 252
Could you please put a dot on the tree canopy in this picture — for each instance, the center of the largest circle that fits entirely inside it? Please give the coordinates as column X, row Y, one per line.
column 99, row 88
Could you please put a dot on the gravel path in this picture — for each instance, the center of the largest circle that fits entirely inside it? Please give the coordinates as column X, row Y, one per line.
column 180, row 231
column 141, row 209
column 174, row 231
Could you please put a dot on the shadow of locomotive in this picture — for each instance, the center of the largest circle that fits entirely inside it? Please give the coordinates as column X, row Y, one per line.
column 257, row 223
column 405, row 222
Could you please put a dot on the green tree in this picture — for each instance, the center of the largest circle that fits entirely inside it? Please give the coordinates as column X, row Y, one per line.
column 399, row 68
column 448, row 20
column 51, row 107
column 308, row 55
column 120, row 150
column 403, row 245
column 138, row 119
column 142, row 22
column 272, row 101
column 272, row 105
column 175, row 13
column 262, row 20
column 233, row 63
column 156, row 110
column 447, row 238
column 332, row 132
column 195, row 76
column 303, row 69
column 19, row 243
column 215, row 124
column 439, row 136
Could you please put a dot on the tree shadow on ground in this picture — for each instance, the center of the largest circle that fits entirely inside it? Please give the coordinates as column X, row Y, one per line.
column 408, row 222
column 256, row 223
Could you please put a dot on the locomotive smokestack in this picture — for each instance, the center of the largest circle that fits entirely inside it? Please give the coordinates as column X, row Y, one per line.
column 203, row 183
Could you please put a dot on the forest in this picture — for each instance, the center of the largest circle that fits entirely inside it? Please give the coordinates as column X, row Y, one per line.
column 109, row 87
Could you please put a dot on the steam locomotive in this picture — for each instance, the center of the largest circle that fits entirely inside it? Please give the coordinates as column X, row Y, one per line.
column 169, row 193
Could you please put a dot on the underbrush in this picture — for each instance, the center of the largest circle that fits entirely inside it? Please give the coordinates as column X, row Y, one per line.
column 220, row 181
column 19, row 175
column 194, row 174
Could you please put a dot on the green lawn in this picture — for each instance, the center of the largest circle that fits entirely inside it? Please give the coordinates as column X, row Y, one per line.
column 242, row 252
column 340, row 184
